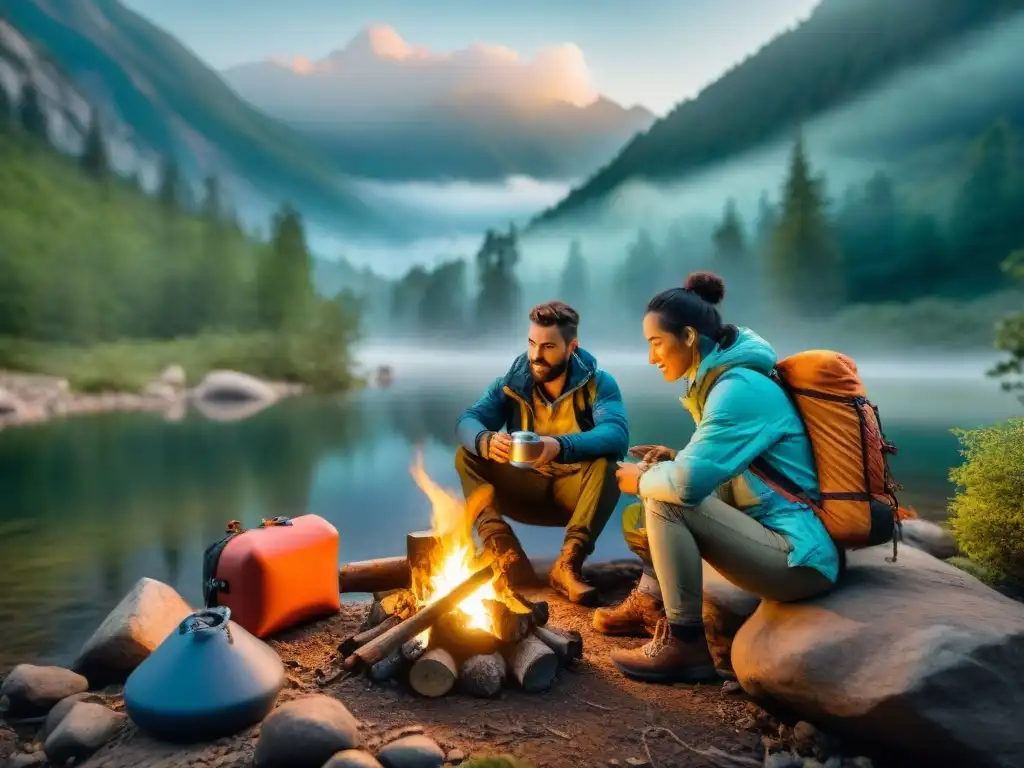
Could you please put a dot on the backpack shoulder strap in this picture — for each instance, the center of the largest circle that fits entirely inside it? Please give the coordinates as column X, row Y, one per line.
column 583, row 402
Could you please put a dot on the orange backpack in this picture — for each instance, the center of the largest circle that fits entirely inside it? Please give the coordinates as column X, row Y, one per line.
column 857, row 494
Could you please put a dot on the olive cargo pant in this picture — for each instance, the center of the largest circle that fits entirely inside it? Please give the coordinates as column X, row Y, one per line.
column 581, row 502
column 672, row 540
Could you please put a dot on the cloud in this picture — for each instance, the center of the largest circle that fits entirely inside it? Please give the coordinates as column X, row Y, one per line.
column 379, row 69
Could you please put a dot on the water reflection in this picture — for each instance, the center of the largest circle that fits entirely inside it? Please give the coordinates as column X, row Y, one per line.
column 91, row 504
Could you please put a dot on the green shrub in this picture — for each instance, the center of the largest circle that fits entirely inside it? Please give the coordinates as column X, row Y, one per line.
column 987, row 513
column 502, row 761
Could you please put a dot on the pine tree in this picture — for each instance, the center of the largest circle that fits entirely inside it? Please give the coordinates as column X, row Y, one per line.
column 573, row 284
column 169, row 192
column 33, row 117
column 640, row 275
column 499, row 296
column 95, row 160
column 767, row 222
column 985, row 223
column 286, row 285
column 803, row 258
column 729, row 239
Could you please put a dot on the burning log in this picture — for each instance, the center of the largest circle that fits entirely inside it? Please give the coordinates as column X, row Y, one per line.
column 382, row 646
column 434, row 673
column 567, row 644
column 483, row 675
column 423, row 549
column 401, row 603
column 413, row 649
column 512, row 621
column 453, row 633
column 349, row 644
column 374, row 575
column 539, row 608
column 374, row 616
column 533, row 664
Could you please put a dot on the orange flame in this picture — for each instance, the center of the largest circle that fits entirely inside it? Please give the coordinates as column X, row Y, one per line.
column 452, row 523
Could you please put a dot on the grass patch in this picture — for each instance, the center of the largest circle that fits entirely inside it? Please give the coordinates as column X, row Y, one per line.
column 128, row 366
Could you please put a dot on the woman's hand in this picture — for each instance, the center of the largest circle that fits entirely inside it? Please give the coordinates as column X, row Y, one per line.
column 628, row 476
column 652, row 454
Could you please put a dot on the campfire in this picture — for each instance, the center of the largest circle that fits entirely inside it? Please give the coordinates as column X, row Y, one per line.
column 455, row 620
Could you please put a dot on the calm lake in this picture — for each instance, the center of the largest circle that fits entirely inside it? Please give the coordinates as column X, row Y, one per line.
column 90, row 505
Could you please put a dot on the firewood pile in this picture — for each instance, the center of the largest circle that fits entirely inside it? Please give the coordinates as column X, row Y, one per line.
column 457, row 640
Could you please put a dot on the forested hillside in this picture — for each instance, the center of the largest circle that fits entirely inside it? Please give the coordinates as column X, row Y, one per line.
column 843, row 49
column 88, row 259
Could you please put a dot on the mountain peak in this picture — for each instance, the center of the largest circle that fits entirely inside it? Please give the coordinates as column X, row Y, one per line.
column 380, row 41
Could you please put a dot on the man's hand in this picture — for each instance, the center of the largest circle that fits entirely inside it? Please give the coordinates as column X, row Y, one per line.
column 552, row 448
column 628, row 476
column 499, row 449
column 652, row 454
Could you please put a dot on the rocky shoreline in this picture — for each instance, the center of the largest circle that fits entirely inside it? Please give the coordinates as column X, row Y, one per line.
column 890, row 665
column 29, row 399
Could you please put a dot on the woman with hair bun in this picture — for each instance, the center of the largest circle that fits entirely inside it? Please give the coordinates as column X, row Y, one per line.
column 703, row 502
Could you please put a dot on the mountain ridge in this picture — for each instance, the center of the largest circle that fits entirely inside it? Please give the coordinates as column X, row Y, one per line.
column 389, row 110
column 839, row 52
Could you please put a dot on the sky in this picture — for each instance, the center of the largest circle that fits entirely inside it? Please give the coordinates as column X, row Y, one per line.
column 649, row 52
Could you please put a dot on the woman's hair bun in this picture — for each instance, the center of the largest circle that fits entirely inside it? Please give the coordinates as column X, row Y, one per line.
column 707, row 285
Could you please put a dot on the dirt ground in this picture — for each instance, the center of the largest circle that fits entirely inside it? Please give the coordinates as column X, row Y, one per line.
column 592, row 716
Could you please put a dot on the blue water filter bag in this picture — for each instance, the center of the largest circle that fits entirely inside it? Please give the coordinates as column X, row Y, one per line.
column 209, row 678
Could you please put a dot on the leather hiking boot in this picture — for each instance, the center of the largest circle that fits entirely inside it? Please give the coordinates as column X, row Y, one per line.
column 513, row 561
column 636, row 616
column 667, row 659
column 566, row 578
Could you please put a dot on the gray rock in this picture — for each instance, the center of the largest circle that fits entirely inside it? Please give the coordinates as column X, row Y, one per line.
column 306, row 732
column 31, row 691
column 726, row 608
column 412, row 752
column 931, row 538
column 231, row 386
column 84, row 729
column 137, row 625
column 59, row 712
column 24, row 760
column 897, row 655
column 173, row 376
column 455, row 756
column 11, row 405
column 783, row 760
column 353, row 758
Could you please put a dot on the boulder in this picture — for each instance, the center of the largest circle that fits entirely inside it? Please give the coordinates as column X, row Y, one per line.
column 353, row 758
column 137, row 625
column 84, row 729
column 931, row 538
column 726, row 609
column 231, row 386
column 31, row 691
column 11, row 405
column 173, row 376
column 306, row 733
column 411, row 752
column 916, row 656
column 60, row 711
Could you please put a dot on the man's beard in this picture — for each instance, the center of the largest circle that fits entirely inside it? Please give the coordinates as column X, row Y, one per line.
column 548, row 373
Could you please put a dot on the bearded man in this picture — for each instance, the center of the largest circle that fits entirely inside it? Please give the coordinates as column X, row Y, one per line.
column 555, row 390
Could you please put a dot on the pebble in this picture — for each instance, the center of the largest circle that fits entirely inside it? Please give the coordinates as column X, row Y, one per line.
column 638, row 762
column 352, row 758
column 783, row 760
column 82, row 731
column 804, row 731
column 455, row 756
column 412, row 752
column 405, row 730
column 747, row 724
column 731, row 688
column 25, row 760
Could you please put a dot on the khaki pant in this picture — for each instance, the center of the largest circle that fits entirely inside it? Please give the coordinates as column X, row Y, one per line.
column 581, row 502
column 672, row 540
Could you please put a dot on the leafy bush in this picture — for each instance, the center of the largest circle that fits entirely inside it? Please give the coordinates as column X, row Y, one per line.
column 987, row 513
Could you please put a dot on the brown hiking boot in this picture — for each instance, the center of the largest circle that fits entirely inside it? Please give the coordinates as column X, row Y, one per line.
column 667, row 659
column 516, row 566
column 566, row 578
column 636, row 616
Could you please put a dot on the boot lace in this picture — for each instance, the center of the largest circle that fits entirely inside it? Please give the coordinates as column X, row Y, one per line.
column 662, row 636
